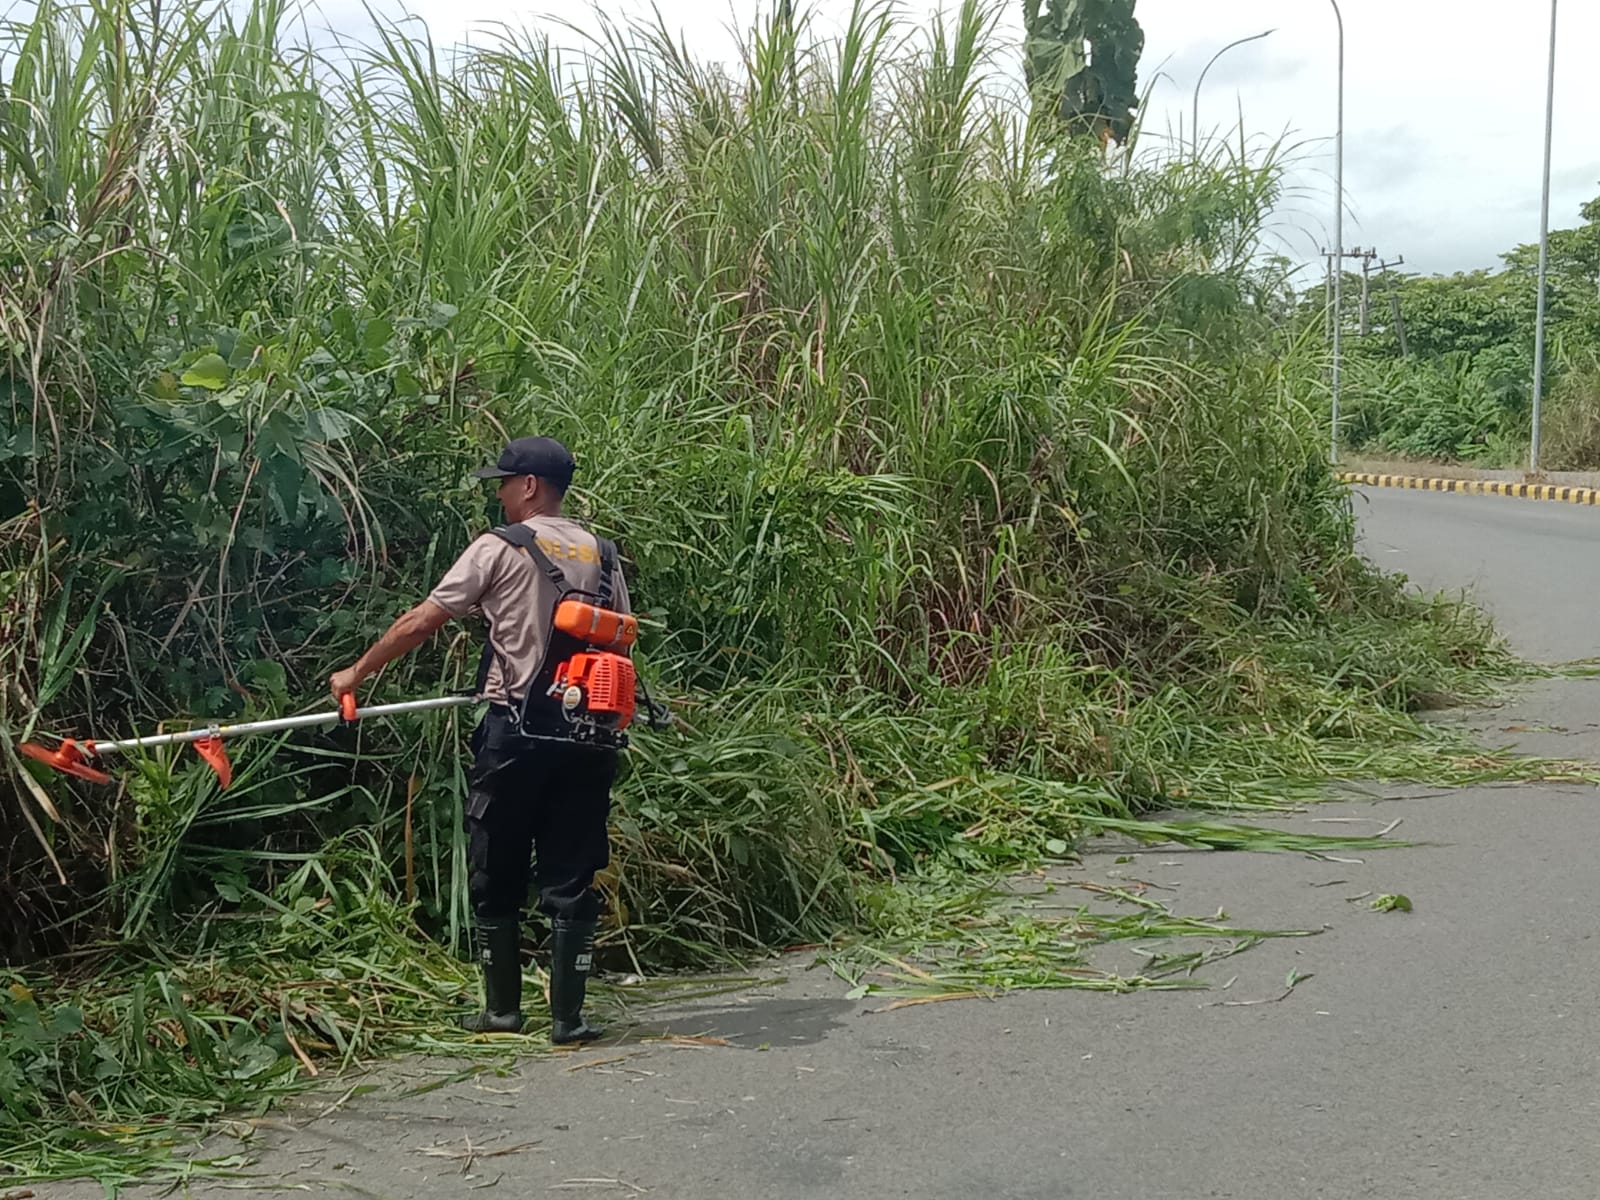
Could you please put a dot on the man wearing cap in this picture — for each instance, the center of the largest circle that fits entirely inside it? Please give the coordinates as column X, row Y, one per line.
column 543, row 800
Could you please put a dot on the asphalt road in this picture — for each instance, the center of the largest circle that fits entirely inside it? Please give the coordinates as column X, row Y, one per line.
column 1534, row 565
column 1447, row 1054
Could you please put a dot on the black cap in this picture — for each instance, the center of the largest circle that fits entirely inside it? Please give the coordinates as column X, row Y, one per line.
column 541, row 456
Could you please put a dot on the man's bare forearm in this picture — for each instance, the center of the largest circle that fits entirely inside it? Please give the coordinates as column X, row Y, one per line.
column 408, row 632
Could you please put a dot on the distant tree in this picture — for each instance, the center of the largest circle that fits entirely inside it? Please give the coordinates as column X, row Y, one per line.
column 1082, row 64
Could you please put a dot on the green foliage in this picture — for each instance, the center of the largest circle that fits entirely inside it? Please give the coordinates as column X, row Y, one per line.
column 1459, row 386
column 1572, row 430
column 864, row 390
column 1453, row 408
column 97, row 1080
column 1455, row 314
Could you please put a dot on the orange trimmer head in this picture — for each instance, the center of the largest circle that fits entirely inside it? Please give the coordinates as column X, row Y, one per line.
column 68, row 757
column 74, row 759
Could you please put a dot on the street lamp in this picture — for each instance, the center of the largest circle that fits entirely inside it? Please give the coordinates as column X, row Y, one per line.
column 1338, row 233
column 1196, row 116
column 1544, row 250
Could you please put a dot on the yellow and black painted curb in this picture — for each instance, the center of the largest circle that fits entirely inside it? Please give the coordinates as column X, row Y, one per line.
column 1478, row 487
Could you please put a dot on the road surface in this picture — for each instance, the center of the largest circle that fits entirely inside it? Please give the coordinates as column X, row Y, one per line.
column 1534, row 565
column 1446, row 1054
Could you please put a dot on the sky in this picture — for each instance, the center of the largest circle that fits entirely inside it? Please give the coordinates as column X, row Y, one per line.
column 1444, row 102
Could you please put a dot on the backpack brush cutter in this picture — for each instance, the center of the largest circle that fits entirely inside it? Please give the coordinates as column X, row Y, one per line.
column 593, row 690
column 585, row 690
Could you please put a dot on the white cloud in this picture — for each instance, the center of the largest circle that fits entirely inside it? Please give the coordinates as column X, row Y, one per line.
column 1444, row 111
column 1444, row 101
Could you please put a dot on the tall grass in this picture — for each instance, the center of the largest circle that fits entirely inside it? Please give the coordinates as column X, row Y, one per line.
column 969, row 482
column 1573, row 437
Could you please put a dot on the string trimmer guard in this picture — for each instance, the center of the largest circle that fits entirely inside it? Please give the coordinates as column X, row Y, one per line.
column 216, row 756
column 69, row 757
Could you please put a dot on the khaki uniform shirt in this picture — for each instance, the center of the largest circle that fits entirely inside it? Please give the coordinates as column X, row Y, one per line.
column 504, row 583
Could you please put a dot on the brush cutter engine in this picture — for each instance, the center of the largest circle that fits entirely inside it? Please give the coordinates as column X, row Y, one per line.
column 596, row 689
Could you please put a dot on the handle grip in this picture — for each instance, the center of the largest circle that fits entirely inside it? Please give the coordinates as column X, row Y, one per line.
column 347, row 706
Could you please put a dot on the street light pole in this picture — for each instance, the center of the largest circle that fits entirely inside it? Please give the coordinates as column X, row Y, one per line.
column 1338, row 235
column 1195, row 135
column 1544, row 250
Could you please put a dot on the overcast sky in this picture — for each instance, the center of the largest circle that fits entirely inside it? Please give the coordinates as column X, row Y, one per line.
column 1444, row 107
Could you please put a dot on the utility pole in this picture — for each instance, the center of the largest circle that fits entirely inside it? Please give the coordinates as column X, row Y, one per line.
column 1394, row 302
column 1544, row 252
column 1327, row 299
column 1338, row 234
column 1336, row 313
column 1366, row 257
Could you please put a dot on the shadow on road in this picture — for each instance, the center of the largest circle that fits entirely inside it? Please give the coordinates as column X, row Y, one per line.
column 760, row 1023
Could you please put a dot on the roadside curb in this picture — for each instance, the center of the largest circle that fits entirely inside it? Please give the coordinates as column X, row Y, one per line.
column 1478, row 487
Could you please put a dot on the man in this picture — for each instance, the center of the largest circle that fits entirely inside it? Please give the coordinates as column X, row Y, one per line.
column 549, row 798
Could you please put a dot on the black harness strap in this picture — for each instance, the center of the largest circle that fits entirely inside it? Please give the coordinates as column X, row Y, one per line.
column 523, row 538
column 608, row 564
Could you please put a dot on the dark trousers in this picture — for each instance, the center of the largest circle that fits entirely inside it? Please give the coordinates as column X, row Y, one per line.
column 542, row 804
